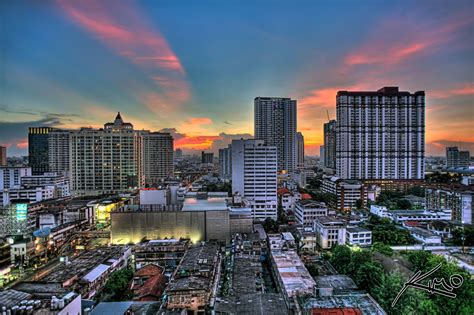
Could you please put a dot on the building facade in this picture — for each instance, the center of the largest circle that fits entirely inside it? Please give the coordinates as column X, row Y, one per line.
column 300, row 151
column 275, row 123
column 38, row 149
column 306, row 211
column 458, row 198
column 58, row 151
column 345, row 192
column 3, row 156
column 225, row 162
column 456, row 158
column 380, row 135
column 10, row 177
column 330, row 231
column 254, row 176
column 157, row 157
column 330, row 144
column 104, row 160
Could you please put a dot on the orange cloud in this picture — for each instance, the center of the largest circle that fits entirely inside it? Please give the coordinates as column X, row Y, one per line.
column 125, row 31
column 23, row 144
column 195, row 142
column 458, row 90
column 199, row 121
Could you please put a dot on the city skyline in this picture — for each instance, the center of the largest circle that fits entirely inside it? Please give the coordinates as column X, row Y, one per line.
column 165, row 65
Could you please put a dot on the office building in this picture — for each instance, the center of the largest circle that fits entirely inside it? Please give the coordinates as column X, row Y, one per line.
column 306, row 211
column 300, row 150
column 345, row 192
column 275, row 123
column 254, row 176
column 225, row 162
column 456, row 158
column 380, row 135
column 330, row 231
column 38, row 149
column 357, row 236
column 157, row 157
column 330, row 144
column 10, row 176
column 3, row 156
column 104, row 160
column 58, row 151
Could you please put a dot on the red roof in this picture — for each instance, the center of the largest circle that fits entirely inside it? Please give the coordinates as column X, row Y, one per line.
column 153, row 287
column 412, row 223
column 283, row 191
column 149, row 271
column 336, row 311
column 305, row 196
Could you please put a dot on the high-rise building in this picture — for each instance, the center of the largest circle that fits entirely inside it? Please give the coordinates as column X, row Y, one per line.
column 207, row 157
column 38, row 149
column 58, row 151
column 330, row 144
column 104, row 160
column 225, row 162
column 157, row 157
column 275, row 123
column 3, row 156
column 380, row 135
column 300, row 151
column 322, row 153
column 456, row 158
column 254, row 176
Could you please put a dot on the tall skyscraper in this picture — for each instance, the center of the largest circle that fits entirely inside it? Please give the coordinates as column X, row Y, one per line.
column 380, row 135
column 330, row 144
column 58, row 151
column 225, row 162
column 456, row 158
column 38, row 149
column 105, row 160
column 3, row 156
column 157, row 157
column 254, row 176
column 275, row 123
column 300, row 151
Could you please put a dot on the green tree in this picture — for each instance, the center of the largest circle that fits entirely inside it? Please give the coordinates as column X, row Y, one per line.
column 403, row 204
column 368, row 276
column 341, row 258
column 359, row 204
column 382, row 248
column 117, row 284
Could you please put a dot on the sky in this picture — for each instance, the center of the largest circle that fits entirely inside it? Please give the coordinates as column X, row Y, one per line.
column 193, row 68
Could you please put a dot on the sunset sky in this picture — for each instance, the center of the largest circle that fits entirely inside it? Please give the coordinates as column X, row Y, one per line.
column 194, row 67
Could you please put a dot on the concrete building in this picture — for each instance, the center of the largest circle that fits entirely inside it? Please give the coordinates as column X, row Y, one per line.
column 425, row 236
column 300, row 150
column 3, row 156
column 193, row 286
column 38, row 149
column 157, row 157
column 164, row 253
column 357, row 236
column 275, row 123
column 254, row 176
column 59, row 181
column 456, row 158
column 322, row 153
column 207, row 157
column 104, row 160
column 345, row 192
column 58, row 151
column 306, row 211
column 293, row 279
column 225, row 162
column 380, row 135
column 456, row 197
column 30, row 195
column 10, row 176
column 330, row 144
column 330, row 231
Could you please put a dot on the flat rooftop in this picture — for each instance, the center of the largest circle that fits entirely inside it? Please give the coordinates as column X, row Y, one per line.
column 357, row 229
column 252, row 304
column 337, row 282
column 361, row 301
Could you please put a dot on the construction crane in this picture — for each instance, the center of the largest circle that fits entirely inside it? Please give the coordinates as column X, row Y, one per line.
column 327, row 111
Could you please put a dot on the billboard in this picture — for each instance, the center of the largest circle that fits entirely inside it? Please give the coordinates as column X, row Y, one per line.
column 21, row 211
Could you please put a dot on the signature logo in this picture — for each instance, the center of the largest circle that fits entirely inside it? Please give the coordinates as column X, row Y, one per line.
column 434, row 286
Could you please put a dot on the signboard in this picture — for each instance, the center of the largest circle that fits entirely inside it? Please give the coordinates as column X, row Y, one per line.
column 21, row 211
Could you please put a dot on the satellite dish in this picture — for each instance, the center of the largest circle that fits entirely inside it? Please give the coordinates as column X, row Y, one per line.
column 44, row 232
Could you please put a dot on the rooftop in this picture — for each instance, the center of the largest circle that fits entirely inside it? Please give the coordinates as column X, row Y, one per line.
column 337, row 282
column 361, row 301
column 255, row 304
column 209, row 204
column 9, row 298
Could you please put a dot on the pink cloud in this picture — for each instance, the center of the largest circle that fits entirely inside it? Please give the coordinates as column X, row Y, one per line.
column 457, row 90
column 199, row 121
column 125, row 30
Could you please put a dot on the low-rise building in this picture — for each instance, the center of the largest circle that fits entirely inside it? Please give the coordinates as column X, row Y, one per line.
column 193, row 285
column 306, row 211
column 456, row 197
column 357, row 236
column 330, row 231
column 425, row 236
column 345, row 192
column 164, row 253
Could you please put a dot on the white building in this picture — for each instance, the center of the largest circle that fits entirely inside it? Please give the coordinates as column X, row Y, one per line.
column 425, row 236
column 380, row 211
column 104, row 160
column 358, row 236
column 346, row 192
column 60, row 181
column 380, row 135
column 275, row 123
column 306, row 211
column 157, row 157
column 34, row 194
column 10, row 176
column 330, row 231
column 254, row 176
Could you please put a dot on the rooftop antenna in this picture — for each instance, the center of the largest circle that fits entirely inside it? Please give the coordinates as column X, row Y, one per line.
column 327, row 112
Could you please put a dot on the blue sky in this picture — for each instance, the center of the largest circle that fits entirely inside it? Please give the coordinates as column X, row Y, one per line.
column 194, row 67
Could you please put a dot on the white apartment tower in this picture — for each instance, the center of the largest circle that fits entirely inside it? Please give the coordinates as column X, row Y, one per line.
column 157, row 157
column 58, row 151
column 104, row 160
column 380, row 135
column 254, row 176
column 275, row 123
